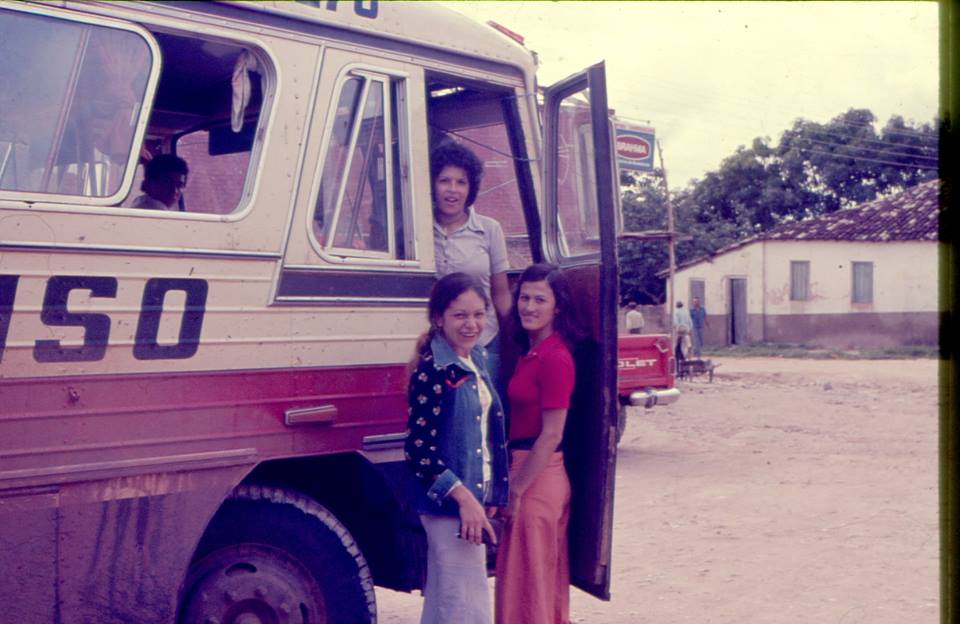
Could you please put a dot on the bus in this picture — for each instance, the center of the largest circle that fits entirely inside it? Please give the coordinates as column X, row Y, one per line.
column 202, row 410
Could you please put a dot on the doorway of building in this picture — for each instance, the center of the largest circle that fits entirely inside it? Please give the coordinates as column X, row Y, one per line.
column 738, row 310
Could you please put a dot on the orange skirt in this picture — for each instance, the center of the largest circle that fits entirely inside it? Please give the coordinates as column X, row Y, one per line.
column 533, row 560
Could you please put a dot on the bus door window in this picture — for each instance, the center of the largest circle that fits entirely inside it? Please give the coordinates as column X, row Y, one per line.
column 474, row 116
column 360, row 209
column 576, row 178
column 73, row 94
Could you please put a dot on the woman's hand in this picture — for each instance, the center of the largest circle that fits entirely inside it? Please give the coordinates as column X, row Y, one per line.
column 473, row 517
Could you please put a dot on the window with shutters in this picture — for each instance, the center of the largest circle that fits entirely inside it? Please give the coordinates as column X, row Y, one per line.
column 862, row 282
column 799, row 280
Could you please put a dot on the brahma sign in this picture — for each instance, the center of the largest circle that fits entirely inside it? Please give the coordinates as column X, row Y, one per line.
column 634, row 147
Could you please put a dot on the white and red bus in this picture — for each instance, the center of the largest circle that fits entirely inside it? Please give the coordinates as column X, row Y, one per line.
column 202, row 410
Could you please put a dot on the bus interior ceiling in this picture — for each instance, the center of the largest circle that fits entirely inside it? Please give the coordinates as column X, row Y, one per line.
column 195, row 88
column 454, row 104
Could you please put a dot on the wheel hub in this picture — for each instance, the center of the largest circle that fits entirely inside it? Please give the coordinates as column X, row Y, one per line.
column 253, row 584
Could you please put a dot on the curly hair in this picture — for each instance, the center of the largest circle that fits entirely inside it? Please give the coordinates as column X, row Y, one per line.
column 453, row 154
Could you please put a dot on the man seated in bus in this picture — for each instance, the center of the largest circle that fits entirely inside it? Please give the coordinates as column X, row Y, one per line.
column 164, row 178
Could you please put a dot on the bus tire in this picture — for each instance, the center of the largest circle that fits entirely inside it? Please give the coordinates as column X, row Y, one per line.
column 277, row 555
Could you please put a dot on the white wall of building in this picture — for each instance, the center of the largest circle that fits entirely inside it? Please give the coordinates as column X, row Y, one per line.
column 905, row 289
column 904, row 276
column 745, row 262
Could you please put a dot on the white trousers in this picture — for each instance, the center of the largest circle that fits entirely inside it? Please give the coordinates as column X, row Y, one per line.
column 456, row 591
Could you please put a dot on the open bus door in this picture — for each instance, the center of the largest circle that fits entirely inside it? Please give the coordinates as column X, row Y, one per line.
column 580, row 236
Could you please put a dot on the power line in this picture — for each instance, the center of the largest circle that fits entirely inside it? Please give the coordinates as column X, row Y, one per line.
column 928, row 141
column 883, row 152
column 874, row 141
column 899, row 132
column 743, row 103
column 871, row 160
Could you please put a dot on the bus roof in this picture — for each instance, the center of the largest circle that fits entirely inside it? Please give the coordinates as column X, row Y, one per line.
column 423, row 23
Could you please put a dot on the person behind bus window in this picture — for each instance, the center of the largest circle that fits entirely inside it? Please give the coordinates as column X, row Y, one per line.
column 467, row 241
column 533, row 573
column 456, row 448
column 164, row 178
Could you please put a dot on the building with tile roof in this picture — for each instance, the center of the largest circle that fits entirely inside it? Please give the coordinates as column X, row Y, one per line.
column 864, row 277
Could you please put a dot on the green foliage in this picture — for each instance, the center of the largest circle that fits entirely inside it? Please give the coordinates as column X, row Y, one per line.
column 645, row 208
column 846, row 162
column 814, row 169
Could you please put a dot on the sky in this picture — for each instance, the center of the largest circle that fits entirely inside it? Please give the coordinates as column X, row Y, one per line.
column 711, row 76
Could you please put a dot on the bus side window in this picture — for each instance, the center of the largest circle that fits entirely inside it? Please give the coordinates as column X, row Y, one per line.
column 72, row 95
column 206, row 111
column 361, row 210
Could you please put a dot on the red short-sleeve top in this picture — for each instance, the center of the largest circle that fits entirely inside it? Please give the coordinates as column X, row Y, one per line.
column 542, row 380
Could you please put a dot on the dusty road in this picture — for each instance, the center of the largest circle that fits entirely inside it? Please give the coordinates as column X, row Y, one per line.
column 786, row 491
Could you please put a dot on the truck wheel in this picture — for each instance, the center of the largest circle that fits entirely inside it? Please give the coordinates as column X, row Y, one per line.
column 271, row 555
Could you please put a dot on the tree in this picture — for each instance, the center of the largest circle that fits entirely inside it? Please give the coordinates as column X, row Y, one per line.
column 846, row 162
column 814, row 169
column 644, row 208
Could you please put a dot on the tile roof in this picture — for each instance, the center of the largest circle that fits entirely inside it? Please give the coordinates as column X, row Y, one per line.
column 911, row 215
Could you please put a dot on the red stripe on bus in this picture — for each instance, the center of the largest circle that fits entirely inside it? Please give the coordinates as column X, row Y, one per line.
column 99, row 419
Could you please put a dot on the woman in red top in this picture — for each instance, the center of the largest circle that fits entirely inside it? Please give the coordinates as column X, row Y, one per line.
column 533, row 571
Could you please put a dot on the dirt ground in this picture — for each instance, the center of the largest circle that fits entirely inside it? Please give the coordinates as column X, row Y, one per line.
column 785, row 491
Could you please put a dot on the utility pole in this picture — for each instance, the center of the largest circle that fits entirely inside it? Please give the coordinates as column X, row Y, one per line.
column 671, row 243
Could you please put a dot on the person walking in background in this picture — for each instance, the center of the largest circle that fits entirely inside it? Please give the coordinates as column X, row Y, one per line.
column 634, row 319
column 682, row 324
column 456, row 448
column 467, row 241
column 533, row 569
column 698, row 319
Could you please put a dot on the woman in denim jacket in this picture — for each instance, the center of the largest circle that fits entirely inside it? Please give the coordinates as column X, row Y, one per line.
column 456, row 447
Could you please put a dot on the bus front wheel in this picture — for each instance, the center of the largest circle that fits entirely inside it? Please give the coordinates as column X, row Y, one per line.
column 271, row 555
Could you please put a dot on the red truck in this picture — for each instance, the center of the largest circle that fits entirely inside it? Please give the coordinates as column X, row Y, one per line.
column 645, row 373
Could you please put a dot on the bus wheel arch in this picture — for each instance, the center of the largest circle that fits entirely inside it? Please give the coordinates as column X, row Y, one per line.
column 269, row 549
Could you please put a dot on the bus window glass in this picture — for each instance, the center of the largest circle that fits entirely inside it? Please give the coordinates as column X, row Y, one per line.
column 362, row 220
column 335, row 161
column 402, row 218
column 71, row 97
column 576, row 177
column 360, row 209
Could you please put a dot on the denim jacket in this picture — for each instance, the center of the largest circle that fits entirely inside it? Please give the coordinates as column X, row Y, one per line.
column 444, row 445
